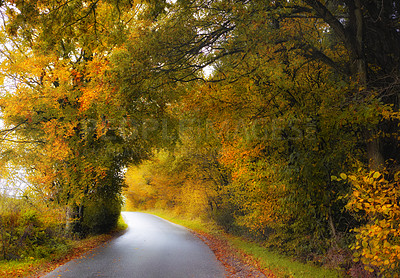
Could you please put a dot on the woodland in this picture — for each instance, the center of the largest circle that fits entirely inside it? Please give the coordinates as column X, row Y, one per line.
column 277, row 120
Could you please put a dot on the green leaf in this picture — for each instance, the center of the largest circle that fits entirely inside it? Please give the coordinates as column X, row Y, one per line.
column 377, row 175
column 365, row 244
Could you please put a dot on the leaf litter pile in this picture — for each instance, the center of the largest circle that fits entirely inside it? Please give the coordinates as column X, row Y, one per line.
column 237, row 264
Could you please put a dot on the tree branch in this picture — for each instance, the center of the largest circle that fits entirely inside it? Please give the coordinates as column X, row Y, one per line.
column 335, row 24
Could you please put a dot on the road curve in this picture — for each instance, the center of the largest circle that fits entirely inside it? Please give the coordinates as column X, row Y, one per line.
column 150, row 248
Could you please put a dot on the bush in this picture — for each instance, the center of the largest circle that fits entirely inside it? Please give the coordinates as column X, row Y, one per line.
column 101, row 216
column 375, row 200
column 27, row 231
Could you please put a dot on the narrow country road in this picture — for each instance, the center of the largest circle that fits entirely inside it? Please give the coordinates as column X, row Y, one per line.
column 151, row 248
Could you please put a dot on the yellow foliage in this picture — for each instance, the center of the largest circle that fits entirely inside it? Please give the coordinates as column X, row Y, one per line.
column 194, row 198
column 378, row 242
column 137, row 191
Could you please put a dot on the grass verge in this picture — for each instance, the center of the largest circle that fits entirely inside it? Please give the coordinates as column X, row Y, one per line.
column 121, row 225
column 31, row 267
column 280, row 265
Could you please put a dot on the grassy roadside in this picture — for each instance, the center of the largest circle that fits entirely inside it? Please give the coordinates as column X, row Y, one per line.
column 31, row 267
column 281, row 266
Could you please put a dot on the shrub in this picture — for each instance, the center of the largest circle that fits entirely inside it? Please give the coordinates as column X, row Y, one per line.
column 28, row 231
column 375, row 200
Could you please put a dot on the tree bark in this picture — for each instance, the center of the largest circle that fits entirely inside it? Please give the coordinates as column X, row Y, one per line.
column 353, row 39
column 360, row 60
column 69, row 219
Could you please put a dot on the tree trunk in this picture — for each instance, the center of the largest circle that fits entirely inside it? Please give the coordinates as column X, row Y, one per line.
column 375, row 157
column 332, row 228
column 359, row 63
column 360, row 60
column 352, row 36
column 69, row 212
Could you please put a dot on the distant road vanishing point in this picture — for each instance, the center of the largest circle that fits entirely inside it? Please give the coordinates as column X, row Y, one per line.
column 151, row 248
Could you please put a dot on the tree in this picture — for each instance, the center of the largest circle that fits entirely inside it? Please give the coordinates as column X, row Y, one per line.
column 68, row 113
column 314, row 74
column 364, row 37
column 300, row 93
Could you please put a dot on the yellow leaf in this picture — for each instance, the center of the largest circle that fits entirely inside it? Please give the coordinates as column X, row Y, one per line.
column 376, row 175
column 353, row 178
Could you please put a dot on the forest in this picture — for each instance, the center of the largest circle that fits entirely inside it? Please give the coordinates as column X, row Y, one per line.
column 278, row 120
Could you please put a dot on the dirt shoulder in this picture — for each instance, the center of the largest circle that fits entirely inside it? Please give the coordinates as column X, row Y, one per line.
column 79, row 249
column 236, row 263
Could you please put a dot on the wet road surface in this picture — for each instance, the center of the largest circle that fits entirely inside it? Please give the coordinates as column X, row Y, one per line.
column 150, row 248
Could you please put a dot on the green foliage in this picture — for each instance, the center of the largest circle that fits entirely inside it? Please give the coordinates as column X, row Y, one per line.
column 121, row 225
column 29, row 232
column 101, row 215
column 300, row 93
column 73, row 113
column 283, row 111
column 282, row 265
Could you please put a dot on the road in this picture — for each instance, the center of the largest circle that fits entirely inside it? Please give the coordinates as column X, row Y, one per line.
column 150, row 248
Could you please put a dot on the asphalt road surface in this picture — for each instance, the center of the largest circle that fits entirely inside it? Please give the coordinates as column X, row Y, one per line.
column 151, row 248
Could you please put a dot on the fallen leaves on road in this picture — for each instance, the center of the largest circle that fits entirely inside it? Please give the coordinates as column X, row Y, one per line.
column 237, row 264
column 80, row 249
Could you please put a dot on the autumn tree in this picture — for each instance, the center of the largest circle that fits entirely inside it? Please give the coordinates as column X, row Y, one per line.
column 299, row 95
column 364, row 32
column 73, row 117
column 319, row 77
